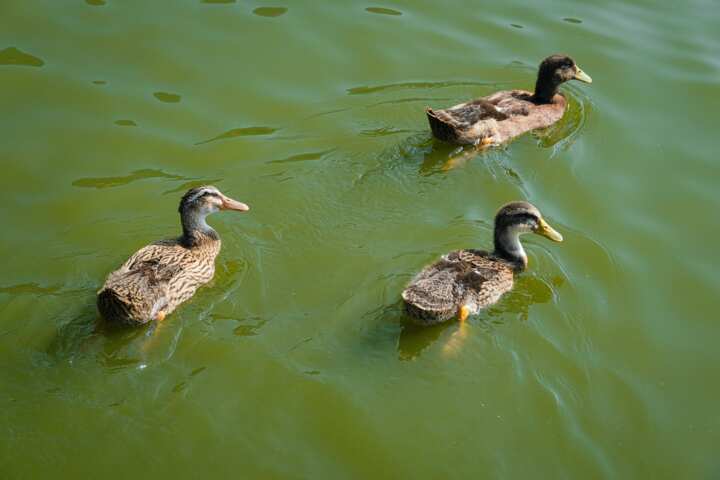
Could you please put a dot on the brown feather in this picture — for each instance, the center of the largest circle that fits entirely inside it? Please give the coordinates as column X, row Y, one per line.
column 464, row 277
column 499, row 117
column 157, row 278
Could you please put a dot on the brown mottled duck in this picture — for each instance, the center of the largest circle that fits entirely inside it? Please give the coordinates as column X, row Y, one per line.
column 504, row 115
column 162, row 275
column 465, row 281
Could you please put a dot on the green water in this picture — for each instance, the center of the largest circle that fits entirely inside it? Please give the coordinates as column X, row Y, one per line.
column 295, row 362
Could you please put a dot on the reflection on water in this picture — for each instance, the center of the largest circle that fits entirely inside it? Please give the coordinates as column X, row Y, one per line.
column 167, row 97
column 13, row 56
column 107, row 182
column 86, row 337
column 270, row 11
column 241, row 132
column 528, row 290
column 414, row 339
column 563, row 134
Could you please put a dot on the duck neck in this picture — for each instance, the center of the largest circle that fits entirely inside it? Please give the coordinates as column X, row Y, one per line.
column 509, row 248
column 546, row 87
column 196, row 231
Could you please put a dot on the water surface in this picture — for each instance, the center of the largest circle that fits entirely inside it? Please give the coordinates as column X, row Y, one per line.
column 296, row 361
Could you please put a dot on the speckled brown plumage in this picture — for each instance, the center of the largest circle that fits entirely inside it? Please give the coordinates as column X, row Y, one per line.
column 474, row 279
column 162, row 275
column 463, row 277
column 504, row 115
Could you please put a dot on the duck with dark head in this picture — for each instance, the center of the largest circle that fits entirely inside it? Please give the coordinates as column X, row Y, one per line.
column 465, row 281
column 162, row 275
column 502, row 116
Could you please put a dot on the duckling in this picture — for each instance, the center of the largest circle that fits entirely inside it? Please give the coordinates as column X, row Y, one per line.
column 465, row 281
column 162, row 275
column 504, row 115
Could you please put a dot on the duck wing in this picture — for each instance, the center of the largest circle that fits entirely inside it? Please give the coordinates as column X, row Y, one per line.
column 436, row 291
column 459, row 277
column 486, row 279
column 139, row 289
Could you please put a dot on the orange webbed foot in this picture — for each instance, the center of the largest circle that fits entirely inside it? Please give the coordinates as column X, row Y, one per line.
column 463, row 313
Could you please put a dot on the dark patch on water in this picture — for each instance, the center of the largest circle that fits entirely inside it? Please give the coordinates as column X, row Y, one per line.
column 167, row 97
column 572, row 20
column 270, row 11
column 515, row 25
column 241, row 132
column 106, row 182
column 96, row 3
column 383, row 11
column 183, row 187
column 13, row 56
column 126, row 123
column 303, row 157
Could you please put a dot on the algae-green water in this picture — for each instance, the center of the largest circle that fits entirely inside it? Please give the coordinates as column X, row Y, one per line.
column 296, row 361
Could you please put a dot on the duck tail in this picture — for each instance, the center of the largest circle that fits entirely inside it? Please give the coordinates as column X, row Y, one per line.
column 440, row 129
column 112, row 307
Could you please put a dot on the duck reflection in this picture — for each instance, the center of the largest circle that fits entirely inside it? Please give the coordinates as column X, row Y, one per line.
column 87, row 336
column 529, row 290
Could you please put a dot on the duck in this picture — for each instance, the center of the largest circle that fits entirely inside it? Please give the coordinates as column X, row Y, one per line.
column 155, row 280
column 504, row 115
column 463, row 282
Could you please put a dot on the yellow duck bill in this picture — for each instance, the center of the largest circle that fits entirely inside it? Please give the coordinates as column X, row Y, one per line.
column 582, row 76
column 548, row 232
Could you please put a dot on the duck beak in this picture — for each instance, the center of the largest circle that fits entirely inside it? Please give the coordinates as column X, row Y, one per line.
column 547, row 231
column 230, row 204
column 582, row 76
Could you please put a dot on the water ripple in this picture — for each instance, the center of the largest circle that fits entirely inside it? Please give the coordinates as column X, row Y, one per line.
column 107, row 182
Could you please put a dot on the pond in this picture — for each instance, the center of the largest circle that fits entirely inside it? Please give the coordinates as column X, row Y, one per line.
column 297, row 360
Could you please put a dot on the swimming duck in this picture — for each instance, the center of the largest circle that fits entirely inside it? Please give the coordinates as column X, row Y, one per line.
column 162, row 275
column 465, row 281
column 504, row 115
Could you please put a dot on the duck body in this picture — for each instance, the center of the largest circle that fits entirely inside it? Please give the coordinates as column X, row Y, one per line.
column 504, row 115
column 494, row 119
column 463, row 282
column 155, row 280
column 471, row 278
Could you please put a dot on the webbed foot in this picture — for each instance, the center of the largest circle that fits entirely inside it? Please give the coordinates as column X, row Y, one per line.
column 463, row 313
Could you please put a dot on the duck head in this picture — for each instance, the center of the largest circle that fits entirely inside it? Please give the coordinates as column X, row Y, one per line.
column 554, row 71
column 197, row 204
column 513, row 220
